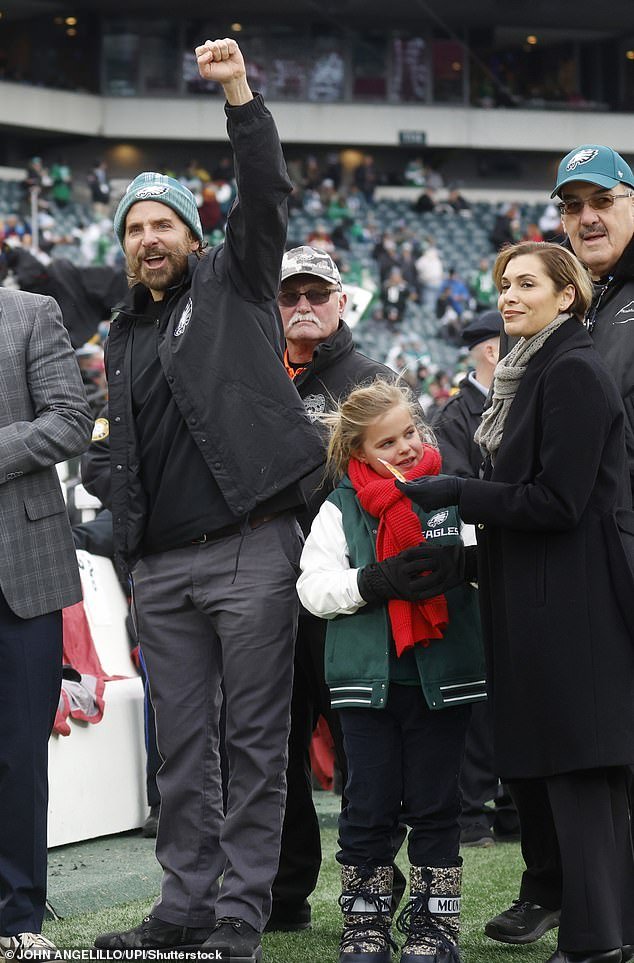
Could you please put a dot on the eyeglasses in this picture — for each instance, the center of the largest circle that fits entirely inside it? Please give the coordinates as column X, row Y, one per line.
column 601, row 202
column 288, row 299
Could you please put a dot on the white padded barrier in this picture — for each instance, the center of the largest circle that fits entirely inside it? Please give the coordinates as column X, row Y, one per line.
column 97, row 773
column 87, row 504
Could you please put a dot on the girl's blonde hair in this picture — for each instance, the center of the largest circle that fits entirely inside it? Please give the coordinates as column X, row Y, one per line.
column 349, row 421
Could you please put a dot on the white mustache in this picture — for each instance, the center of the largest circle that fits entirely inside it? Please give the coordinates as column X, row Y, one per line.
column 303, row 317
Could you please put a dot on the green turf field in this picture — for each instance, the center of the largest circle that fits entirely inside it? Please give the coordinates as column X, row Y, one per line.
column 110, row 883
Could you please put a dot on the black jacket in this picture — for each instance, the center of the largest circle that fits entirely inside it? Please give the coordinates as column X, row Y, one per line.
column 85, row 294
column 560, row 659
column 336, row 368
column 222, row 351
column 612, row 318
column 455, row 425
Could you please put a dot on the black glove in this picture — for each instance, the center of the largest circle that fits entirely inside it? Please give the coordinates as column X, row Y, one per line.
column 433, row 492
column 445, row 568
column 401, row 576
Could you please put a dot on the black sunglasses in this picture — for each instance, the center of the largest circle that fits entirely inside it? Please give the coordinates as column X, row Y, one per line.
column 288, row 299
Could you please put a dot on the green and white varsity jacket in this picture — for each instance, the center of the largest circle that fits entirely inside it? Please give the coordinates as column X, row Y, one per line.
column 360, row 653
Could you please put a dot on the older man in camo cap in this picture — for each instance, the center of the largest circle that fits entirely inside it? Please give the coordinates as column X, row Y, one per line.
column 324, row 365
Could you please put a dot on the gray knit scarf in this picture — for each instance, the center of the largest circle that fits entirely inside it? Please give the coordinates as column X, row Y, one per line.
column 509, row 371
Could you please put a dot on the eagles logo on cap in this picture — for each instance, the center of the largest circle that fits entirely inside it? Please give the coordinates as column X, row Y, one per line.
column 593, row 164
column 155, row 191
column 164, row 190
column 581, row 157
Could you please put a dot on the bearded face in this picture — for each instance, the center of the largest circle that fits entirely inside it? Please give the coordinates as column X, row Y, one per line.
column 157, row 244
column 159, row 268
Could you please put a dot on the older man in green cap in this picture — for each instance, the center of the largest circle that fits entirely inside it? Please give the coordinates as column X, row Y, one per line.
column 596, row 190
column 596, row 187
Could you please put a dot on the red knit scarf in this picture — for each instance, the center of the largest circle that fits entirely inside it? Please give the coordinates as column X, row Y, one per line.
column 400, row 528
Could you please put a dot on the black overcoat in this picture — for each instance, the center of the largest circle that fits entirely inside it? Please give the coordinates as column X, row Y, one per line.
column 560, row 659
column 455, row 425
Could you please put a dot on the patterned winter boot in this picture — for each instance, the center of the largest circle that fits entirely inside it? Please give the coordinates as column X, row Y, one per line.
column 431, row 920
column 365, row 902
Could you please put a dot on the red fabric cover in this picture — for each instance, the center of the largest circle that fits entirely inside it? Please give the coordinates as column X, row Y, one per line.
column 80, row 653
column 322, row 755
column 400, row 528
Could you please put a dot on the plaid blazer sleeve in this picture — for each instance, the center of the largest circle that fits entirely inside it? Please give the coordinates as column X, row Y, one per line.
column 45, row 417
column 44, row 420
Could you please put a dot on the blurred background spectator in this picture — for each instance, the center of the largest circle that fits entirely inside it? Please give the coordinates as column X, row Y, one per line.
column 99, row 185
column 61, row 190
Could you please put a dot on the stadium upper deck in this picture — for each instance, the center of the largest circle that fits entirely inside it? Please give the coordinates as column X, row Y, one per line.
column 411, row 74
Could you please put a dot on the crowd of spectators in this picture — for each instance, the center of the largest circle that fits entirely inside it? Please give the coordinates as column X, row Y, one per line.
column 419, row 298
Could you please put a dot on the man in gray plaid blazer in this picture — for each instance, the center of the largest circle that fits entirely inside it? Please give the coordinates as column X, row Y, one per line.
column 44, row 419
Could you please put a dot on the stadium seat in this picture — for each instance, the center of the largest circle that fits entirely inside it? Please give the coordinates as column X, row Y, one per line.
column 97, row 773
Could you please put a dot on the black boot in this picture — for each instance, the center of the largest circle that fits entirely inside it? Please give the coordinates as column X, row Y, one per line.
column 398, row 889
column 150, row 825
column 523, row 922
column 287, row 917
column 155, row 934
column 236, row 937
column 431, row 919
column 365, row 901
column 589, row 956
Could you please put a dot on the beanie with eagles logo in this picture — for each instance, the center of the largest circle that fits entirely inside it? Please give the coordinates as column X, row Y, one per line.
column 151, row 186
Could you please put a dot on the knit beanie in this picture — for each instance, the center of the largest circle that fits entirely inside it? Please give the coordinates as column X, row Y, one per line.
column 166, row 190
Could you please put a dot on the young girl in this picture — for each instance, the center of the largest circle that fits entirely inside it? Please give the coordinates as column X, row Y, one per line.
column 402, row 662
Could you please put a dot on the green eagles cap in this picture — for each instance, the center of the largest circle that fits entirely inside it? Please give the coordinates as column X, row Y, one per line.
column 596, row 165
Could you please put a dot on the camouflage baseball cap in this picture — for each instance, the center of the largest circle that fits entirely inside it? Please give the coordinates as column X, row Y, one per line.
column 310, row 260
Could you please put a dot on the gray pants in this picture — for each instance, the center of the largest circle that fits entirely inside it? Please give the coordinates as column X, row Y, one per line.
column 222, row 612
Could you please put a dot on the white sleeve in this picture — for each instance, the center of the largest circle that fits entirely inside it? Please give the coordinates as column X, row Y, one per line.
column 328, row 585
column 467, row 532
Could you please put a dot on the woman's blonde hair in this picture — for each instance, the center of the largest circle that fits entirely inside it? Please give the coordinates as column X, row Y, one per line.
column 561, row 266
column 349, row 421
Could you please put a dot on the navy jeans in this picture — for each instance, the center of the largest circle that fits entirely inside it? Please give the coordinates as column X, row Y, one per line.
column 30, row 683
column 403, row 767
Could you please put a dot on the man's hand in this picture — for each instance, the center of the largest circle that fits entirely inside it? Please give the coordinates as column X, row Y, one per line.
column 222, row 61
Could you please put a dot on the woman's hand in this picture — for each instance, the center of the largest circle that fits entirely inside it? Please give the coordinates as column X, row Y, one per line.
column 433, row 492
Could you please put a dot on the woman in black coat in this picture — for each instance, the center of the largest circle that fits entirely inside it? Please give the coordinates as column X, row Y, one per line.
column 560, row 657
